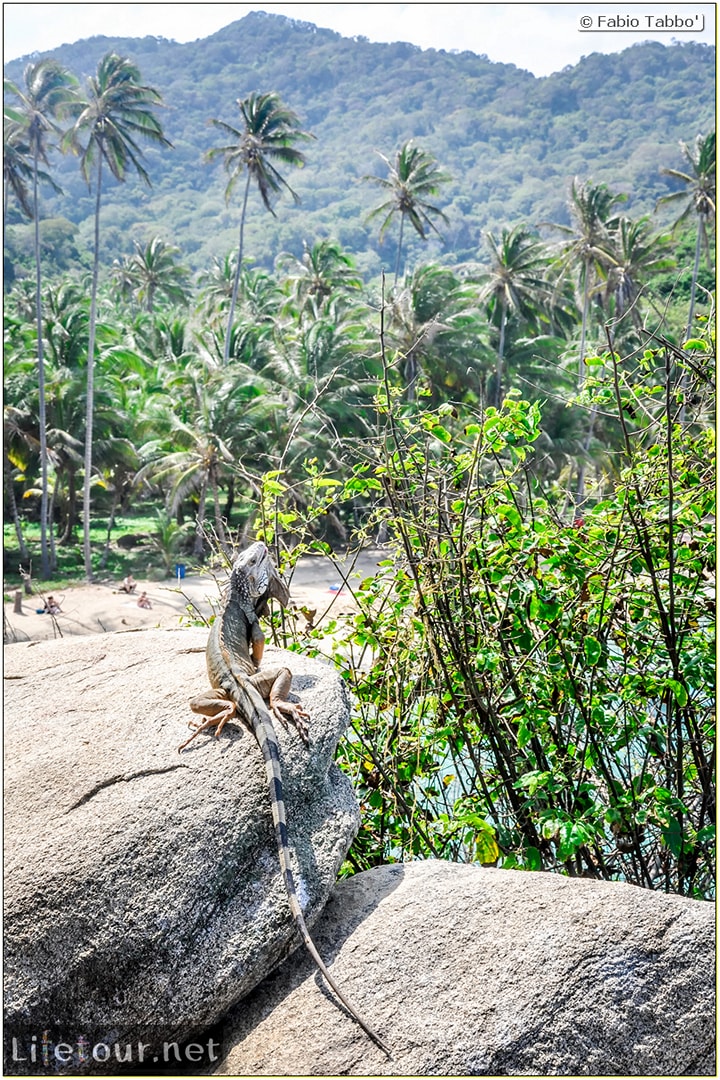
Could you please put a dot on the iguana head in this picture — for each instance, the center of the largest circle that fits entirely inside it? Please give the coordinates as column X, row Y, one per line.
column 254, row 575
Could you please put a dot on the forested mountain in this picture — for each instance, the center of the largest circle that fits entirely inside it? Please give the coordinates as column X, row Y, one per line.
column 510, row 141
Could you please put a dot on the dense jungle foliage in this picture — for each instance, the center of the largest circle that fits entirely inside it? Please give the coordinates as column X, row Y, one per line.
column 509, row 140
column 525, row 426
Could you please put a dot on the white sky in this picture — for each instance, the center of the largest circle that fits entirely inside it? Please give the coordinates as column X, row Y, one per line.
column 539, row 37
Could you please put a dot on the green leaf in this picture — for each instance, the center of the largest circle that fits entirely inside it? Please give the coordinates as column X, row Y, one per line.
column 593, row 650
column 679, row 692
column 673, row 837
column 533, row 859
column 550, row 828
column 486, row 848
column 706, row 833
column 510, row 514
column 696, row 345
column 326, row 481
column 524, row 735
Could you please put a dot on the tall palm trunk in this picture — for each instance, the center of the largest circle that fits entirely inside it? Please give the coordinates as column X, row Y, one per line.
column 583, row 328
column 90, row 381
column 693, row 283
column 219, row 524
column 51, row 524
column 691, row 314
column 199, row 545
column 582, row 466
column 68, row 533
column 399, row 250
column 42, row 418
column 236, row 279
column 501, row 355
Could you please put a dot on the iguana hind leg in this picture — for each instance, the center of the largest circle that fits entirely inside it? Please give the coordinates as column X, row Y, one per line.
column 274, row 686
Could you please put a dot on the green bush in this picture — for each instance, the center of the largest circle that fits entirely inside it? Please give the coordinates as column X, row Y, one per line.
column 532, row 691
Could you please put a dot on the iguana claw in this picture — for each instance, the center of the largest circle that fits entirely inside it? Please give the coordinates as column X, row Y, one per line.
column 288, row 711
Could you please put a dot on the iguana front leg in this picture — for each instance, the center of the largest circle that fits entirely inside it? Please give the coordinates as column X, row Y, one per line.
column 273, row 684
column 217, row 707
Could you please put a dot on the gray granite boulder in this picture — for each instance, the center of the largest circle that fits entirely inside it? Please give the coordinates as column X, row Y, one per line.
column 143, row 895
column 469, row 971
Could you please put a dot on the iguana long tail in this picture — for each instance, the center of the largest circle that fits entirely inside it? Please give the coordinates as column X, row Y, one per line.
column 265, row 735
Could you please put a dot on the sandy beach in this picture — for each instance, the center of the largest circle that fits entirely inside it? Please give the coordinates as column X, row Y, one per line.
column 100, row 608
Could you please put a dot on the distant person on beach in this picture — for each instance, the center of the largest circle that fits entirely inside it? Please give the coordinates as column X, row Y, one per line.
column 51, row 607
column 144, row 600
column 129, row 584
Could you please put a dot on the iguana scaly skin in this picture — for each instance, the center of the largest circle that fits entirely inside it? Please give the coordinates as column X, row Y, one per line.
column 233, row 655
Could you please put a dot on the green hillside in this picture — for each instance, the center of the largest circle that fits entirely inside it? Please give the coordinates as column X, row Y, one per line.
column 511, row 141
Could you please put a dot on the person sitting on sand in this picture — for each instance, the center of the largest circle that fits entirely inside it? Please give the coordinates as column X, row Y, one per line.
column 129, row 584
column 51, row 606
column 144, row 600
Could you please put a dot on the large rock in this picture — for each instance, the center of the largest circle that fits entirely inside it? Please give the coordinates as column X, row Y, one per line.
column 471, row 971
column 143, row 894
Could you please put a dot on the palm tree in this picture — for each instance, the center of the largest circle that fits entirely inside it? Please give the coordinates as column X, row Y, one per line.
column 209, row 430
column 586, row 249
column 515, row 285
column 66, row 334
column 17, row 156
column 588, row 252
column 48, row 89
column 413, row 177
column 439, row 333
column 118, row 111
column 63, row 394
column 16, row 424
column 699, row 192
column 166, row 340
column 216, row 286
column 268, row 133
column 259, row 301
column 18, row 164
column 66, row 328
column 631, row 254
column 635, row 253
column 153, row 271
column 323, row 270
column 17, row 167
column 321, row 375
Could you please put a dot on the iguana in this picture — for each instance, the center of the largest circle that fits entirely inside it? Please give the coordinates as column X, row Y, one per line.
column 234, row 651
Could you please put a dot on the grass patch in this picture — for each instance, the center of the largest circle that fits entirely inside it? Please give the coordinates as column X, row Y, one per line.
column 129, row 553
